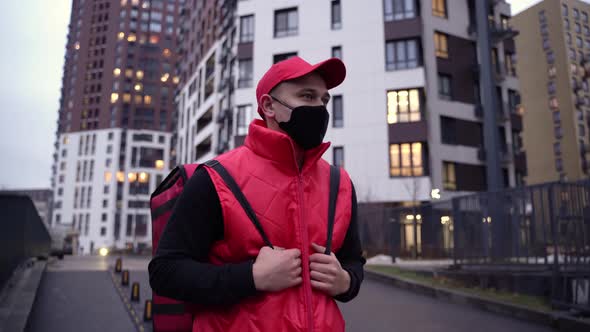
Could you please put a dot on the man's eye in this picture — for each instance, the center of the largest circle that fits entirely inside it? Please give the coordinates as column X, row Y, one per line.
column 308, row 96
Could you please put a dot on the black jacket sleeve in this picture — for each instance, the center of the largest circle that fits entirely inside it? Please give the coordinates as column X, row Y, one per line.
column 351, row 257
column 179, row 269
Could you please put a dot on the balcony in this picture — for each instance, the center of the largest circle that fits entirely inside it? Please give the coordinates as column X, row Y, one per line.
column 500, row 32
column 515, row 121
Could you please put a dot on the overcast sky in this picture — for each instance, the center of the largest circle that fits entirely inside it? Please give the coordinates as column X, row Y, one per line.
column 33, row 33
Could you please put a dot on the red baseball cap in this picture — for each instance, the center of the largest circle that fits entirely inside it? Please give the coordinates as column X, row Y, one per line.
column 332, row 71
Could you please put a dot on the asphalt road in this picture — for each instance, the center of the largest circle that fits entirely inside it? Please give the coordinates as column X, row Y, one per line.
column 78, row 294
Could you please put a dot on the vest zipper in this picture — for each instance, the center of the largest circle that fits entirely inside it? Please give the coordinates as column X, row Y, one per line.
column 305, row 256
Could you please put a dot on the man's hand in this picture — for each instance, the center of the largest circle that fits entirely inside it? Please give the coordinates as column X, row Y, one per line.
column 277, row 269
column 327, row 275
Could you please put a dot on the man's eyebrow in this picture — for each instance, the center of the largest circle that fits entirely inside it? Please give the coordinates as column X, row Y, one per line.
column 326, row 95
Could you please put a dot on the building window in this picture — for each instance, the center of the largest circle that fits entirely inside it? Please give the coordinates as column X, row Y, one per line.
column 576, row 13
column 103, row 217
column 566, row 23
column 509, row 63
column 568, row 38
column 286, row 22
column 564, row 10
column 337, row 112
column 338, row 156
column 244, row 114
column 245, row 73
column 401, row 54
column 403, row 106
column 441, row 45
column 439, row 8
column 406, row 159
column 337, row 52
column 283, row 56
column 578, row 28
column 103, row 231
column 247, row 29
column 336, row 15
column 444, row 87
column 395, row 10
column 449, row 177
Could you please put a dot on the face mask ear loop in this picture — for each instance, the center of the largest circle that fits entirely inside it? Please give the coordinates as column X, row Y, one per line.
column 280, row 102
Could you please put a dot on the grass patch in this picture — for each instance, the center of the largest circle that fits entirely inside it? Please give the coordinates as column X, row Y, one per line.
column 532, row 302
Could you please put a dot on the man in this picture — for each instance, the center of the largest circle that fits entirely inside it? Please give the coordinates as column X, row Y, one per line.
column 211, row 254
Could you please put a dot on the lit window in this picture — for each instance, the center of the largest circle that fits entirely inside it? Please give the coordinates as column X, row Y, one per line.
column 129, row 73
column 126, row 98
column 131, row 38
column 137, row 100
column 166, row 52
column 147, row 99
column 132, row 177
column 66, row 140
column 159, row 164
column 107, row 177
column 138, row 87
column 441, row 45
column 139, row 74
column 117, row 72
column 439, row 8
column 114, row 97
column 154, row 39
column 143, row 177
column 77, row 45
column 406, row 159
column 403, row 106
column 165, row 77
column 176, row 79
column 120, row 176
column 121, row 35
column 449, row 178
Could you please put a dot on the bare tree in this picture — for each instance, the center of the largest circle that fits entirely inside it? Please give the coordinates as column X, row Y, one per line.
column 413, row 188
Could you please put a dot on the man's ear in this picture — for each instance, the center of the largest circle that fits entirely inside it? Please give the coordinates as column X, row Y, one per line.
column 267, row 106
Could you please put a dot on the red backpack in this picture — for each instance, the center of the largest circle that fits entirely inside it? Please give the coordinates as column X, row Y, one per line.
column 169, row 315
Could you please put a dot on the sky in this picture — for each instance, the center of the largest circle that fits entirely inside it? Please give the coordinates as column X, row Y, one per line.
column 34, row 33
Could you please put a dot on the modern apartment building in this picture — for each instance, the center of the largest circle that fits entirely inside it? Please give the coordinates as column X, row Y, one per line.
column 407, row 122
column 115, row 118
column 554, row 44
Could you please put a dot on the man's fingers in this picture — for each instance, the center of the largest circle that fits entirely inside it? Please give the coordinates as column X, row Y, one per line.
column 295, row 253
column 322, row 277
column 296, row 281
column 323, row 268
column 321, row 258
column 317, row 248
column 321, row 286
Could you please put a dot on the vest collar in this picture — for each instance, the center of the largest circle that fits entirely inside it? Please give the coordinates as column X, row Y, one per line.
column 279, row 147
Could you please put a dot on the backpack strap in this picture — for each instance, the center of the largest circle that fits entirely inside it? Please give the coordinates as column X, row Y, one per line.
column 334, row 188
column 235, row 189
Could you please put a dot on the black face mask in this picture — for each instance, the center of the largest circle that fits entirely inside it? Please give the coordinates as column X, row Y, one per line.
column 307, row 126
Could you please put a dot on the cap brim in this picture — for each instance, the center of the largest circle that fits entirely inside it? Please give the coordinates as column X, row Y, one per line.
column 332, row 71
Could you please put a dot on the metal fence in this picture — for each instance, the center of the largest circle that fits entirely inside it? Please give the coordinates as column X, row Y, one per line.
column 23, row 234
column 536, row 228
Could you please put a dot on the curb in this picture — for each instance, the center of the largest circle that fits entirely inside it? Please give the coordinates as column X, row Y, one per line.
column 18, row 296
column 559, row 321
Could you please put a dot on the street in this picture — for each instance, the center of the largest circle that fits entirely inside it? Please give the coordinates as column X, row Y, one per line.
column 78, row 294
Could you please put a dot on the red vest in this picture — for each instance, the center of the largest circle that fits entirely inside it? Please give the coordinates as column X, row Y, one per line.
column 292, row 206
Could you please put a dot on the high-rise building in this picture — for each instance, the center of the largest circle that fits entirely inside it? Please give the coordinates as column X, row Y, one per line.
column 115, row 118
column 554, row 44
column 407, row 123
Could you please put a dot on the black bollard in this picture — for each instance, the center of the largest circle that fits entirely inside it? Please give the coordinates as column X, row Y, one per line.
column 125, row 278
column 135, row 292
column 118, row 265
column 147, row 311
